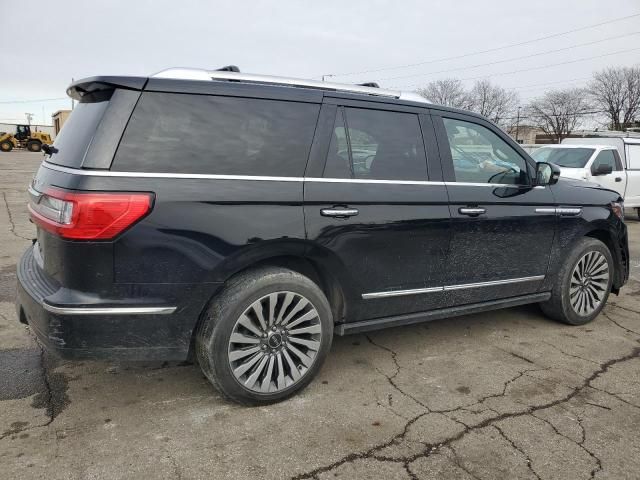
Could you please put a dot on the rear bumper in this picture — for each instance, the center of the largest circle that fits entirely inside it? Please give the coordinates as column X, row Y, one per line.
column 135, row 330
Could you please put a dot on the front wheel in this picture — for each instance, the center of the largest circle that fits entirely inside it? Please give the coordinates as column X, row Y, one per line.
column 582, row 285
column 34, row 146
column 265, row 336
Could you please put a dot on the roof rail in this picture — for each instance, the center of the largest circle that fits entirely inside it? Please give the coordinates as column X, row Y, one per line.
column 226, row 74
column 604, row 133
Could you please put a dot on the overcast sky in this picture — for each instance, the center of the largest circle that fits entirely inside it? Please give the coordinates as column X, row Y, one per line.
column 307, row 39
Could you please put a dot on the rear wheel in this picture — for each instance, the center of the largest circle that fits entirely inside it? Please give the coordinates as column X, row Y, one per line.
column 34, row 146
column 265, row 336
column 583, row 284
column 6, row 146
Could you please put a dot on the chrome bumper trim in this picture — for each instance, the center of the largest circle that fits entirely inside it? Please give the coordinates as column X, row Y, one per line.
column 108, row 310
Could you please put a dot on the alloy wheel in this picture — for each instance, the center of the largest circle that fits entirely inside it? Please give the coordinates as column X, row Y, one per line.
column 275, row 342
column 589, row 283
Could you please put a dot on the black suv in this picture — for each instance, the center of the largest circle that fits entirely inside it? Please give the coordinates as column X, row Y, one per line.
column 245, row 219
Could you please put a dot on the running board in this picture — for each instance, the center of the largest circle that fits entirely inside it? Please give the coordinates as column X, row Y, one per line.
column 410, row 319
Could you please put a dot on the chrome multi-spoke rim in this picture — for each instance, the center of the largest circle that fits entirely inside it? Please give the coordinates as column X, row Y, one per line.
column 275, row 342
column 589, row 282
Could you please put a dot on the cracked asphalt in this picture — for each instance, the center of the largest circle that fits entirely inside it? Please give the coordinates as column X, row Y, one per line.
column 507, row 394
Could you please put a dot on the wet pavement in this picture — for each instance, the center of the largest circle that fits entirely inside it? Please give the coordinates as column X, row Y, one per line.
column 506, row 394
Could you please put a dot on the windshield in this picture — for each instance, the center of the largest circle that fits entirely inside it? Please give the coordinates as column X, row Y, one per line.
column 564, row 157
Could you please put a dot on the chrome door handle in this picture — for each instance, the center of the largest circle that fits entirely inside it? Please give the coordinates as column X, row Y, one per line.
column 472, row 212
column 339, row 212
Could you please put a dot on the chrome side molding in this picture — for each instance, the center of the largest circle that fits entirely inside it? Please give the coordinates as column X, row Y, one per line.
column 204, row 176
column 446, row 288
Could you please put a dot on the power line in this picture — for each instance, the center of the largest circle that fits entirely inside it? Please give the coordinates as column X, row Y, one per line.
column 535, row 85
column 533, row 68
column 568, row 114
column 513, row 58
column 34, row 101
column 480, row 52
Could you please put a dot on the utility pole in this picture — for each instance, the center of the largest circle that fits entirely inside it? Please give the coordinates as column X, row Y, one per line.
column 29, row 117
column 518, row 125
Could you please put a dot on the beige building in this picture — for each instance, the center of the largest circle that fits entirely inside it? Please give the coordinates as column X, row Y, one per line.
column 526, row 134
column 59, row 118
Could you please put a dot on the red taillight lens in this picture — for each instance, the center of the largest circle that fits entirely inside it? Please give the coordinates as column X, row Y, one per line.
column 89, row 216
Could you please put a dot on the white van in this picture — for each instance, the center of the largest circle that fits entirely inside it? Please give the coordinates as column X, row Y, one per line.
column 628, row 147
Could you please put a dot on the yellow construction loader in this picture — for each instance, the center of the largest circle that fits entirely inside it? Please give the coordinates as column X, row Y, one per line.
column 24, row 138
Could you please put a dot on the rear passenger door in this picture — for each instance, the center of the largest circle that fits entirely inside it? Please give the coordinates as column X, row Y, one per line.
column 372, row 207
column 502, row 225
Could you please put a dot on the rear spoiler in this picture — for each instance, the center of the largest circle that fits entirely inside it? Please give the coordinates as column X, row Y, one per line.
column 78, row 89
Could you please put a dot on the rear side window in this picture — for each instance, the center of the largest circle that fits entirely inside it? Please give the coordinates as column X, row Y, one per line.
column 633, row 157
column 376, row 144
column 75, row 137
column 178, row 133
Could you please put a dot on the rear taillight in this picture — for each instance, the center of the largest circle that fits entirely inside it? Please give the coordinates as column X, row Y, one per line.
column 88, row 216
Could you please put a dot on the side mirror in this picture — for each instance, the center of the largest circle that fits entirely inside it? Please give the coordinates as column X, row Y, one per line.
column 547, row 173
column 602, row 169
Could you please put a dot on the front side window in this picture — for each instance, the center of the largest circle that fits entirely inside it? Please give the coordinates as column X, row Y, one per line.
column 180, row 133
column 605, row 157
column 481, row 156
column 376, row 144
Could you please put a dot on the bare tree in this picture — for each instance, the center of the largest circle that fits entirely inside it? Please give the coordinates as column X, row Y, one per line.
column 558, row 112
column 617, row 92
column 448, row 92
column 492, row 101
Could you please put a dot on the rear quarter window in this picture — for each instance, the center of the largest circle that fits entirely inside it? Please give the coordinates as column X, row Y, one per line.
column 78, row 131
column 180, row 133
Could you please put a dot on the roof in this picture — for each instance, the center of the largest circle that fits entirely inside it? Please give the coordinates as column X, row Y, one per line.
column 232, row 76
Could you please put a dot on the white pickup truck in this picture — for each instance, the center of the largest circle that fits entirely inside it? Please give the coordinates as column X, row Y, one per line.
column 611, row 159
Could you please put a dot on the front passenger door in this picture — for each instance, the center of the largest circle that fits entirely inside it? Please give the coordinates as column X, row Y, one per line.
column 502, row 225
column 614, row 180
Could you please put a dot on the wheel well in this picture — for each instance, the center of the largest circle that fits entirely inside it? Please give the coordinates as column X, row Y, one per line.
column 328, row 283
column 604, row 237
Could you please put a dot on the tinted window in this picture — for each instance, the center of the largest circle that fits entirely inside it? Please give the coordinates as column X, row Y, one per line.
column 179, row 133
column 605, row 157
column 73, row 140
column 377, row 145
column 481, row 156
column 564, row 157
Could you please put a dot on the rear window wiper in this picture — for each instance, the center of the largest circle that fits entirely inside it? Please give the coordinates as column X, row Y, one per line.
column 49, row 149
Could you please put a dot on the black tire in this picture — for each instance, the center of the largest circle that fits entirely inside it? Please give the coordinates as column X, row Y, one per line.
column 34, row 146
column 559, row 307
column 221, row 319
column 6, row 146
